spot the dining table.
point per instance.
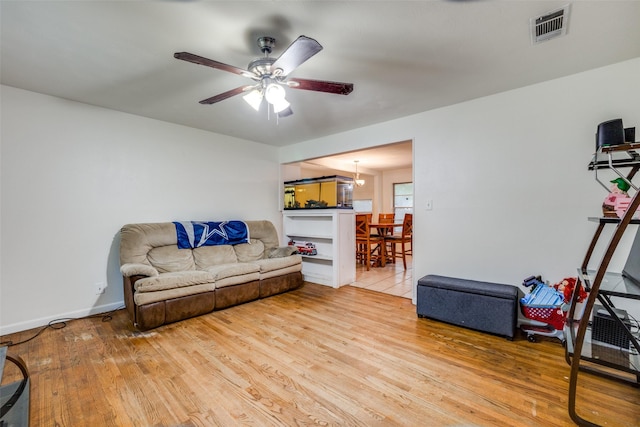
(384, 229)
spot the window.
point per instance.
(363, 206)
(402, 199)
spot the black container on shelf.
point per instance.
(610, 133)
(630, 134)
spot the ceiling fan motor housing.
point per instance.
(261, 66)
(266, 44)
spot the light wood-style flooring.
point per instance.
(312, 356)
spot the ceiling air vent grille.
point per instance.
(550, 25)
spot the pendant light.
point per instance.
(359, 182)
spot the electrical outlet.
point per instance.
(100, 287)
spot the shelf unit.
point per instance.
(333, 233)
(582, 352)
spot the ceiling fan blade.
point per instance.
(298, 52)
(190, 57)
(225, 95)
(321, 86)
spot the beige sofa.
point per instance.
(164, 284)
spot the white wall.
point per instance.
(73, 174)
(507, 174)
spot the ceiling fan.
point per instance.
(271, 75)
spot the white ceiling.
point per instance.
(370, 161)
(403, 57)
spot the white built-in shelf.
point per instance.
(332, 231)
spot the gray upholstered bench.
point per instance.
(484, 306)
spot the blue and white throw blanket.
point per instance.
(193, 234)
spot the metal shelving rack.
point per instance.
(602, 285)
(14, 397)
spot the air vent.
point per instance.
(550, 25)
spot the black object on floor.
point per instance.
(484, 306)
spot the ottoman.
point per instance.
(483, 306)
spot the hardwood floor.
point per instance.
(313, 356)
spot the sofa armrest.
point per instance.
(283, 251)
(131, 269)
(129, 290)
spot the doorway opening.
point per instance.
(387, 172)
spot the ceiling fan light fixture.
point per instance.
(254, 98)
(274, 93)
(280, 105)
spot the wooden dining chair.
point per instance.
(368, 247)
(384, 218)
(402, 239)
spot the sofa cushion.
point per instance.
(247, 252)
(208, 256)
(223, 271)
(141, 298)
(234, 274)
(264, 231)
(136, 240)
(237, 280)
(280, 272)
(272, 264)
(176, 279)
(169, 258)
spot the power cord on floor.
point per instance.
(60, 324)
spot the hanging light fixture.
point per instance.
(254, 98)
(273, 92)
(359, 182)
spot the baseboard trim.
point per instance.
(43, 321)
